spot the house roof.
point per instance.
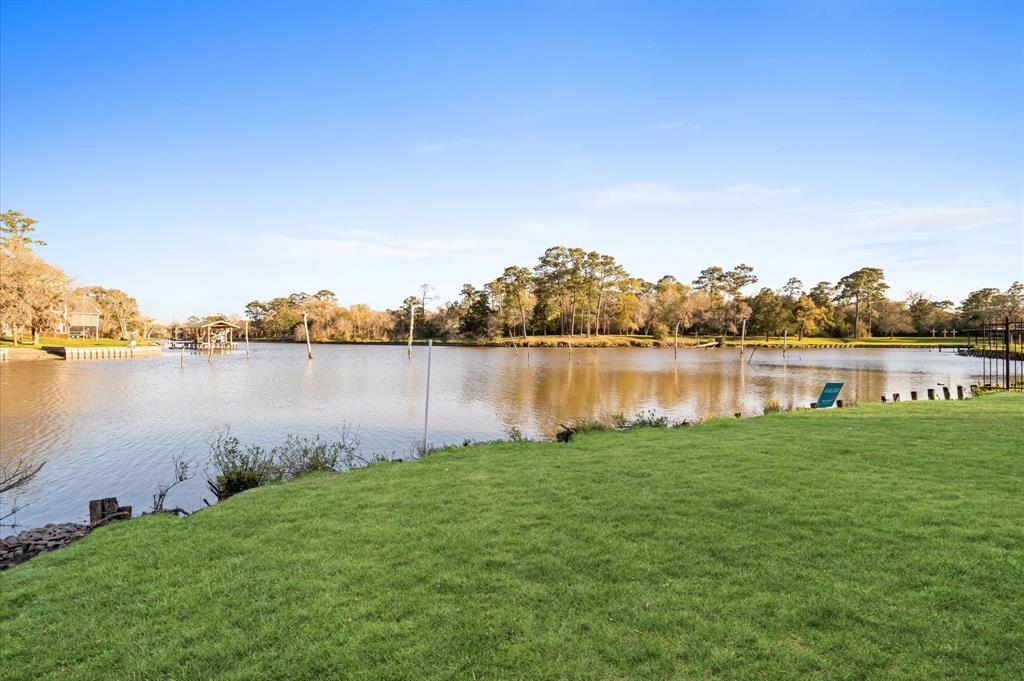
(88, 309)
(215, 324)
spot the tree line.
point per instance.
(569, 292)
(574, 292)
(37, 297)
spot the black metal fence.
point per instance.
(1000, 347)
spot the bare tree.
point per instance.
(14, 474)
(183, 471)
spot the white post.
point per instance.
(426, 409)
(785, 341)
(743, 336)
(181, 356)
(246, 337)
(412, 322)
(305, 325)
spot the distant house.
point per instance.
(84, 322)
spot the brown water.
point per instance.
(110, 427)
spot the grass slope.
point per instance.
(53, 342)
(884, 541)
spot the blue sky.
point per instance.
(200, 155)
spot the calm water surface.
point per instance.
(110, 427)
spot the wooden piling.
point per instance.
(839, 404)
(895, 397)
(814, 405)
(913, 395)
(246, 337)
(959, 392)
(931, 393)
(305, 325)
(102, 509)
(883, 398)
(945, 392)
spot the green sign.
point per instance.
(829, 394)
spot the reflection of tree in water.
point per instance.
(553, 390)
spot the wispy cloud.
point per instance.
(930, 218)
(431, 146)
(931, 236)
(366, 243)
(658, 193)
(674, 125)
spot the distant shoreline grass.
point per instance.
(688, 342)
(53, 342)
(881, 541)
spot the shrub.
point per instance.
(237, 469)
(772, 406)
(301, 455)
(659, 330)
(584, 425)
(647, 419)
(516, 435)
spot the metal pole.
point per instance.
(426, 409)
(1006, 353)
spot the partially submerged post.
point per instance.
(305, 325)
(246, 337)
(412, 323)
(743, 336)
(895, 397)
(945, 392)
(913, 395)
(426, 408)
(959, 392)
(931, 393)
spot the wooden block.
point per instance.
(101, 508)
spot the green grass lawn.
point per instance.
(878, 542)
(51, 342)
(875, 341)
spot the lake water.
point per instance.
(110, 427)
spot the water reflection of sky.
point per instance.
(110, 427)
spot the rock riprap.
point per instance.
(20, 547)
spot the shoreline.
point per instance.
(645, 342)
